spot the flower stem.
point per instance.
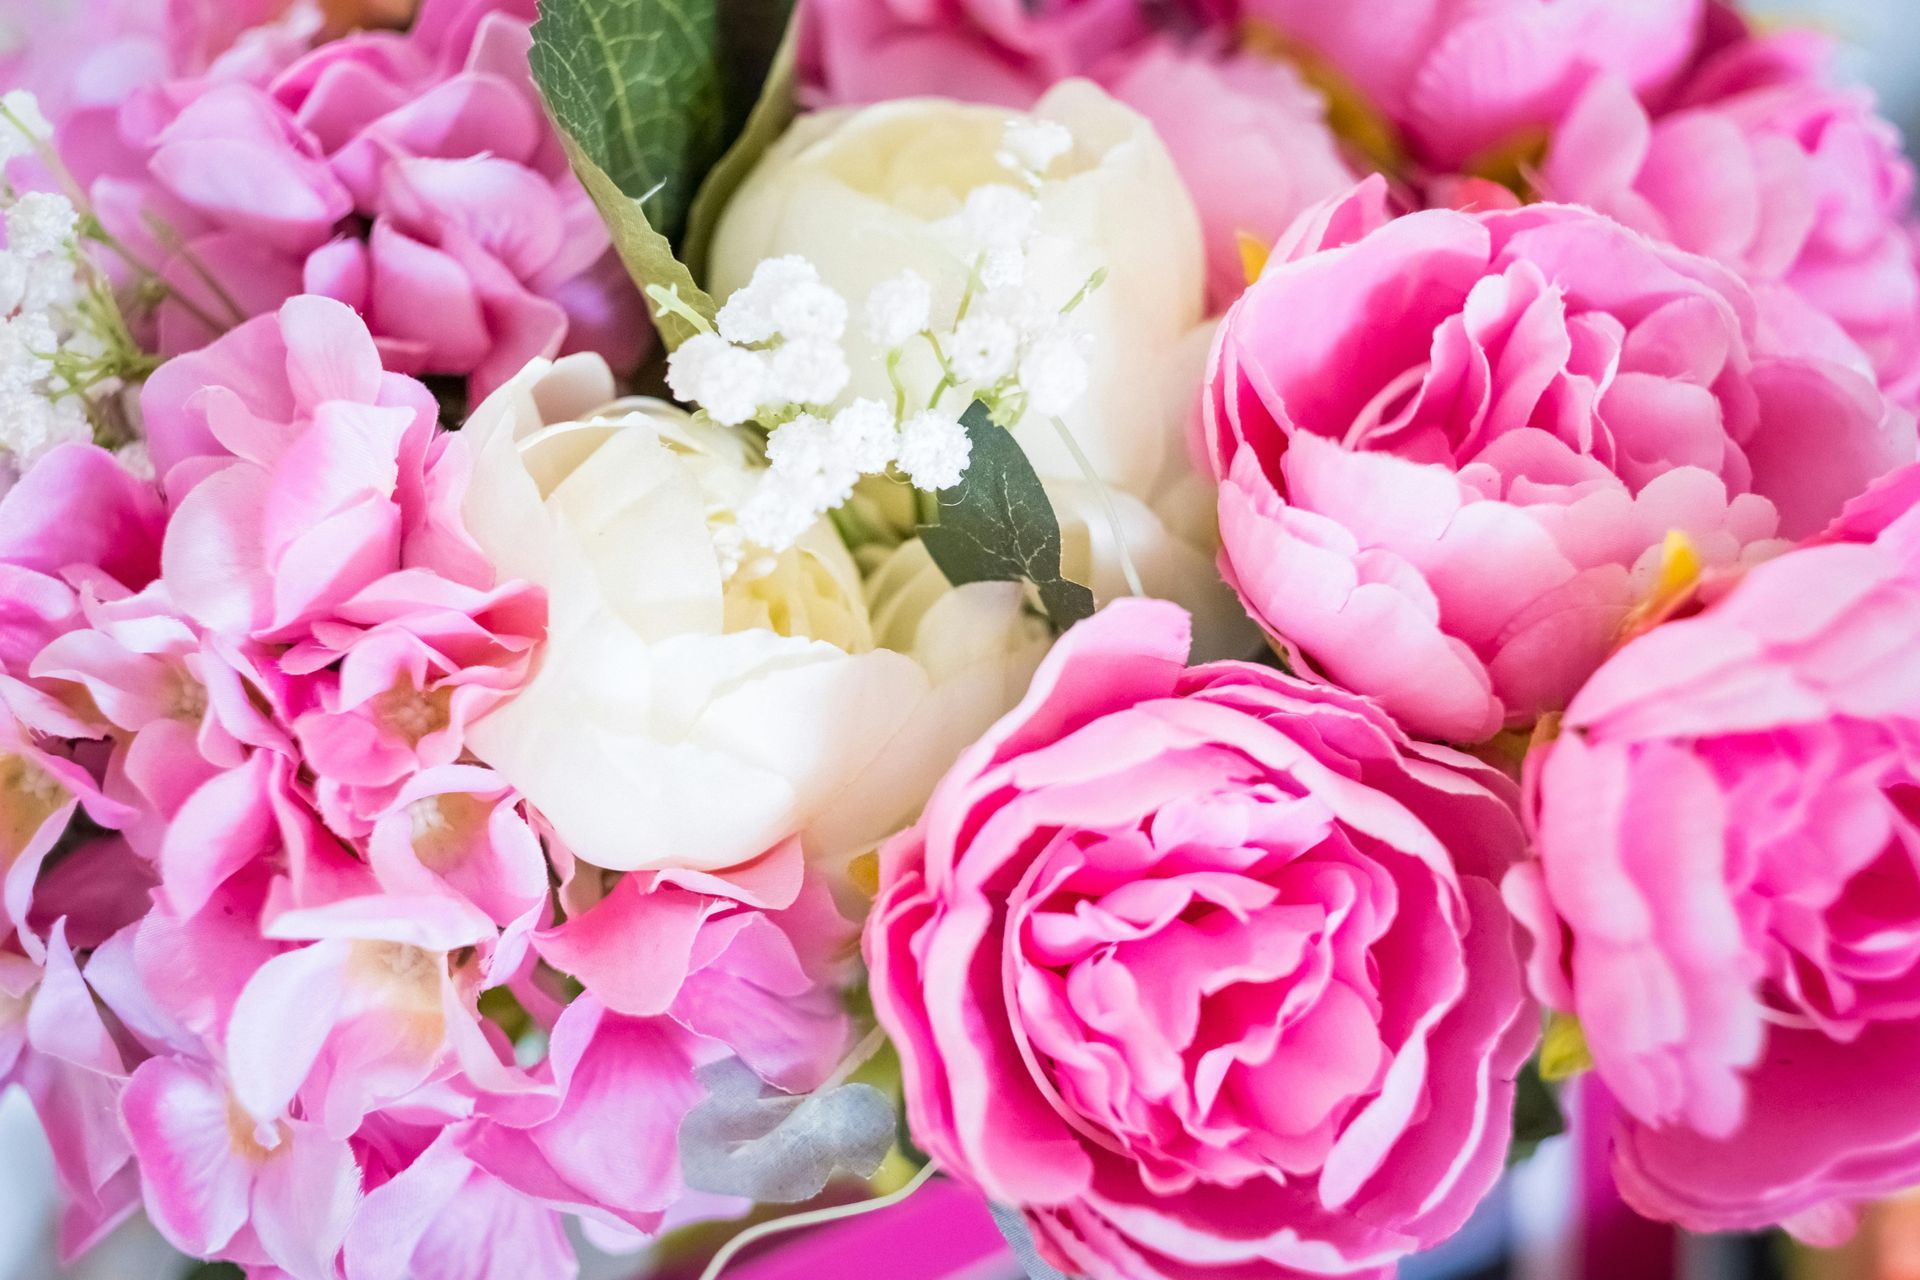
(814, 1218)
(1106, 504)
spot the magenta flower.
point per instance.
(1451, 446)
(1725, 892)
(1459, 81)
(1206, 970)
(1765, 164)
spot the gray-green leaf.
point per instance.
(776, 1148)
(997, 524)
(1020, 1240)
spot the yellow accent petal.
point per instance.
(1679, 574)
(1564, 1052)
(1253, 255)
(1679, 565)
(863, 873)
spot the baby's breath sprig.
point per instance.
(67, 353)
(774, 360)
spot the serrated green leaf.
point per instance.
(773, 111)
(639, 86)
(997, 524)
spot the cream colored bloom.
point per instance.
(867, 195)
(676, 717)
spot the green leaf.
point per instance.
(645, 252)
(639, 86)
(1536, 1113)
(772, 112)
(997, 525)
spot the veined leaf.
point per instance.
(638, 84)
(997, 524)
(648, 95)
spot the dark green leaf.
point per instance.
(638, 85)
(772, 112)
(997, 525)
(1536, 1113)
(655, 90)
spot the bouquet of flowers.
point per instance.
(620, 618)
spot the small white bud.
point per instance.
(997, 215)
(800, 446)
(1053, 373)
(899, 308)
(746, 319)
(809, 312)
(934, 450)
(867, 436)
(729, 382)
(23, 125)
(41, 223)
(775, 517)
(809, 371)
(983, 349)
(1004, 268)
(1032, 145)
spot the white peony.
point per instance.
(677, 718)
(868, 195)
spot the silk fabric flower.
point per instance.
(1205, 971)
(1725, 892)
(1452, 446)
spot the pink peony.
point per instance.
(1767, 166)
(1000, 51)
(1460, 81)
(1452, 446)
(413, 176)
(1251, 143)
(1725, 893)
(1205, 971)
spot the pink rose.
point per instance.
(1451, 446)
(1205, 971)
(1726, 897)
(1766, 165)
(412, 176)
(1461, 78)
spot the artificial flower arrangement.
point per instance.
(622, 613)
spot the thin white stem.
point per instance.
(862, 1053)
(1106, 503)
(816, 1217)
